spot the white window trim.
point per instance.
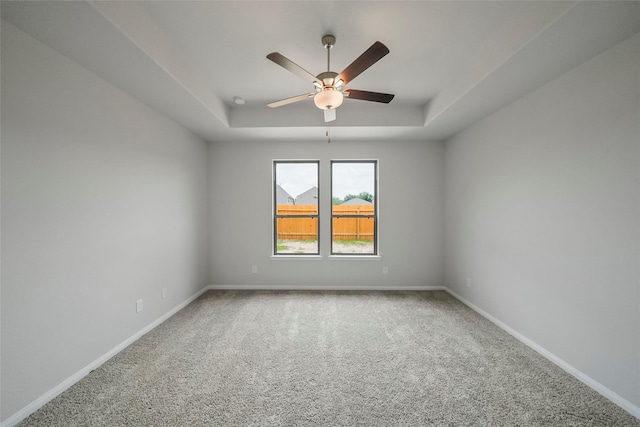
(288, 257)
(348, 257)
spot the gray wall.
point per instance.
(542, 214)
(411, 207)
(104, 201)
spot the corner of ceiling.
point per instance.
(131, 21)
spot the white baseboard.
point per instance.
(612, 396)
(42, 400)
(324, 288)
(55, 391)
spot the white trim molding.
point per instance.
(324, 288)
(354, 257)
(297, 257)
(55, 391)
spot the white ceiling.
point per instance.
(451, 63)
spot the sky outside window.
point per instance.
(349, 178)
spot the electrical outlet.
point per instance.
(164, 293)
(468, 282)
(138, 306)
(254, 269)
(385, 270)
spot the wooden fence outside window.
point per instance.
(306, 228)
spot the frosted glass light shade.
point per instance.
(328, 99)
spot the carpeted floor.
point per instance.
(306, 358)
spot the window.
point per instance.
(295, 207)
(354, 207)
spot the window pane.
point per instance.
(296, 183)
(353, 235)
(352, 183)
(353, 192)
(297, 235)
(296, 207)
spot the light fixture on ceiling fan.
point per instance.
(329, 85)
(329, 96)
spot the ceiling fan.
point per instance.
(330, 87)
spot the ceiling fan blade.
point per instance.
(330, 115)
(290, 100)
(291, 66)
(372, 55)
(368, 96)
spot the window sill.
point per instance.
(354, 257)
(329, 257)
(300, 257)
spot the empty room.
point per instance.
(326, 213)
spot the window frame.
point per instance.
(375, 215)
(275, 209)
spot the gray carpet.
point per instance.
(272, 358)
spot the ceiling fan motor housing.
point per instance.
(328, 79)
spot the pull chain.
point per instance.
(328, 137)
